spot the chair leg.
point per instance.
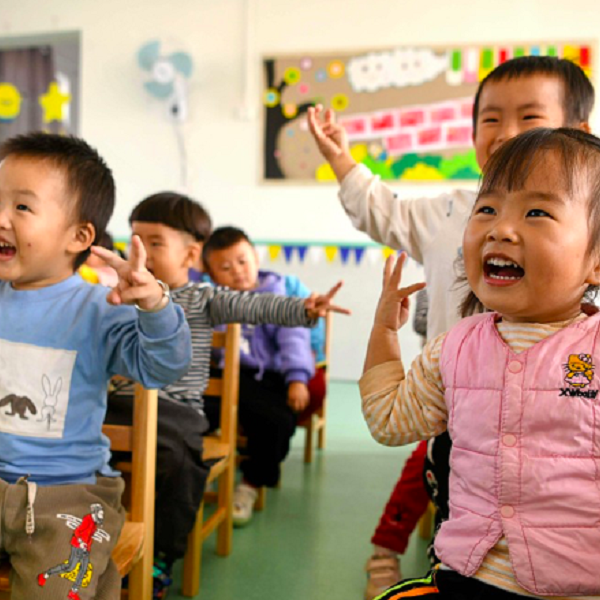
(261, 501)
(192, 562)
(308, 441)
(225, 501)
(322, 438)
(140, 576)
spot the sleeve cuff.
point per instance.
(353, 176)
(161, 324)
(381, 377)
(296, 375)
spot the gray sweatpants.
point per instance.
(64, 538)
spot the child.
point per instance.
(515, 387)
(276, 366)
(171, 226)
(60, 343)
(520, 94)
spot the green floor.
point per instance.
(312, 540)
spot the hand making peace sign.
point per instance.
(136, 284)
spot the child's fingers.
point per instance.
(137, 258)
(338, 309)
(329, 117)
(411, 289)
(114, 297)
(334, 290)
(396, 276)
(110, 258)
(387, 269)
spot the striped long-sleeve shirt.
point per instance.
(206, 306)
(403, 408)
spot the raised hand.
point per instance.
(318, 306)
(136, 284)
(331, 139)
(393, 305)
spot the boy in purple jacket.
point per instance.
(276, 365)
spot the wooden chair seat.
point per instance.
(129, 547)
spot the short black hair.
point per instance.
(221, 239)
(578, 91)
(175, 210)
(509, 167)
(87, 175)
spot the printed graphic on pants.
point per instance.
(77, 568)
(35, 384)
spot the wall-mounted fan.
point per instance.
(168, 77)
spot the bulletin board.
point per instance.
(407, 111)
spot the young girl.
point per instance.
(516, 387)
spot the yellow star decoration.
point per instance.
(52, 102)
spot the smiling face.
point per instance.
(38, 239)
(235, 267)
(526, 251)
(170, 252)
(511, 106)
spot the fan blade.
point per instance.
(182, 62)
(147, 54)
(159, 90)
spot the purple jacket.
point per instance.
(285, 350)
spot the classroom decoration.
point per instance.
(330, 253)
(39, 88)
(168, 75)
(407, 111)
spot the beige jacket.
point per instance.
(429, 229)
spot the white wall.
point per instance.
(129, 129)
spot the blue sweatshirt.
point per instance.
(285, 350)
(59, 346)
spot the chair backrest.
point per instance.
(227, 386)
(140, 440)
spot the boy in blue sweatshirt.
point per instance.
(60, 343)
(276, 365)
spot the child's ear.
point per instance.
(83, 237)
(585, 126)
(593, 277)
(193, 255)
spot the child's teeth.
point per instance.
(500, 262)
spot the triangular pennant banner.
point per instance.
(387, 252)
(287, 251)
(358, 254)
(315, 254)
(302, 252)
(274, 252)
(331, 253)
(344, 254)
(261, 252)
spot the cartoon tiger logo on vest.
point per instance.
(580, 372)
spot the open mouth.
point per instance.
(502, 269)
(7, 250)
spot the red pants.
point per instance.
(406, 505)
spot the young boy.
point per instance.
(60, 343)
(520, 94)
(276, 366)
(171, 226)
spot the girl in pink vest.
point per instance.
(516, 387)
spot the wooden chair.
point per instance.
(223, 448)
(134, 551)
(315, 422)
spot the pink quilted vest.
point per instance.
(526, 455)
